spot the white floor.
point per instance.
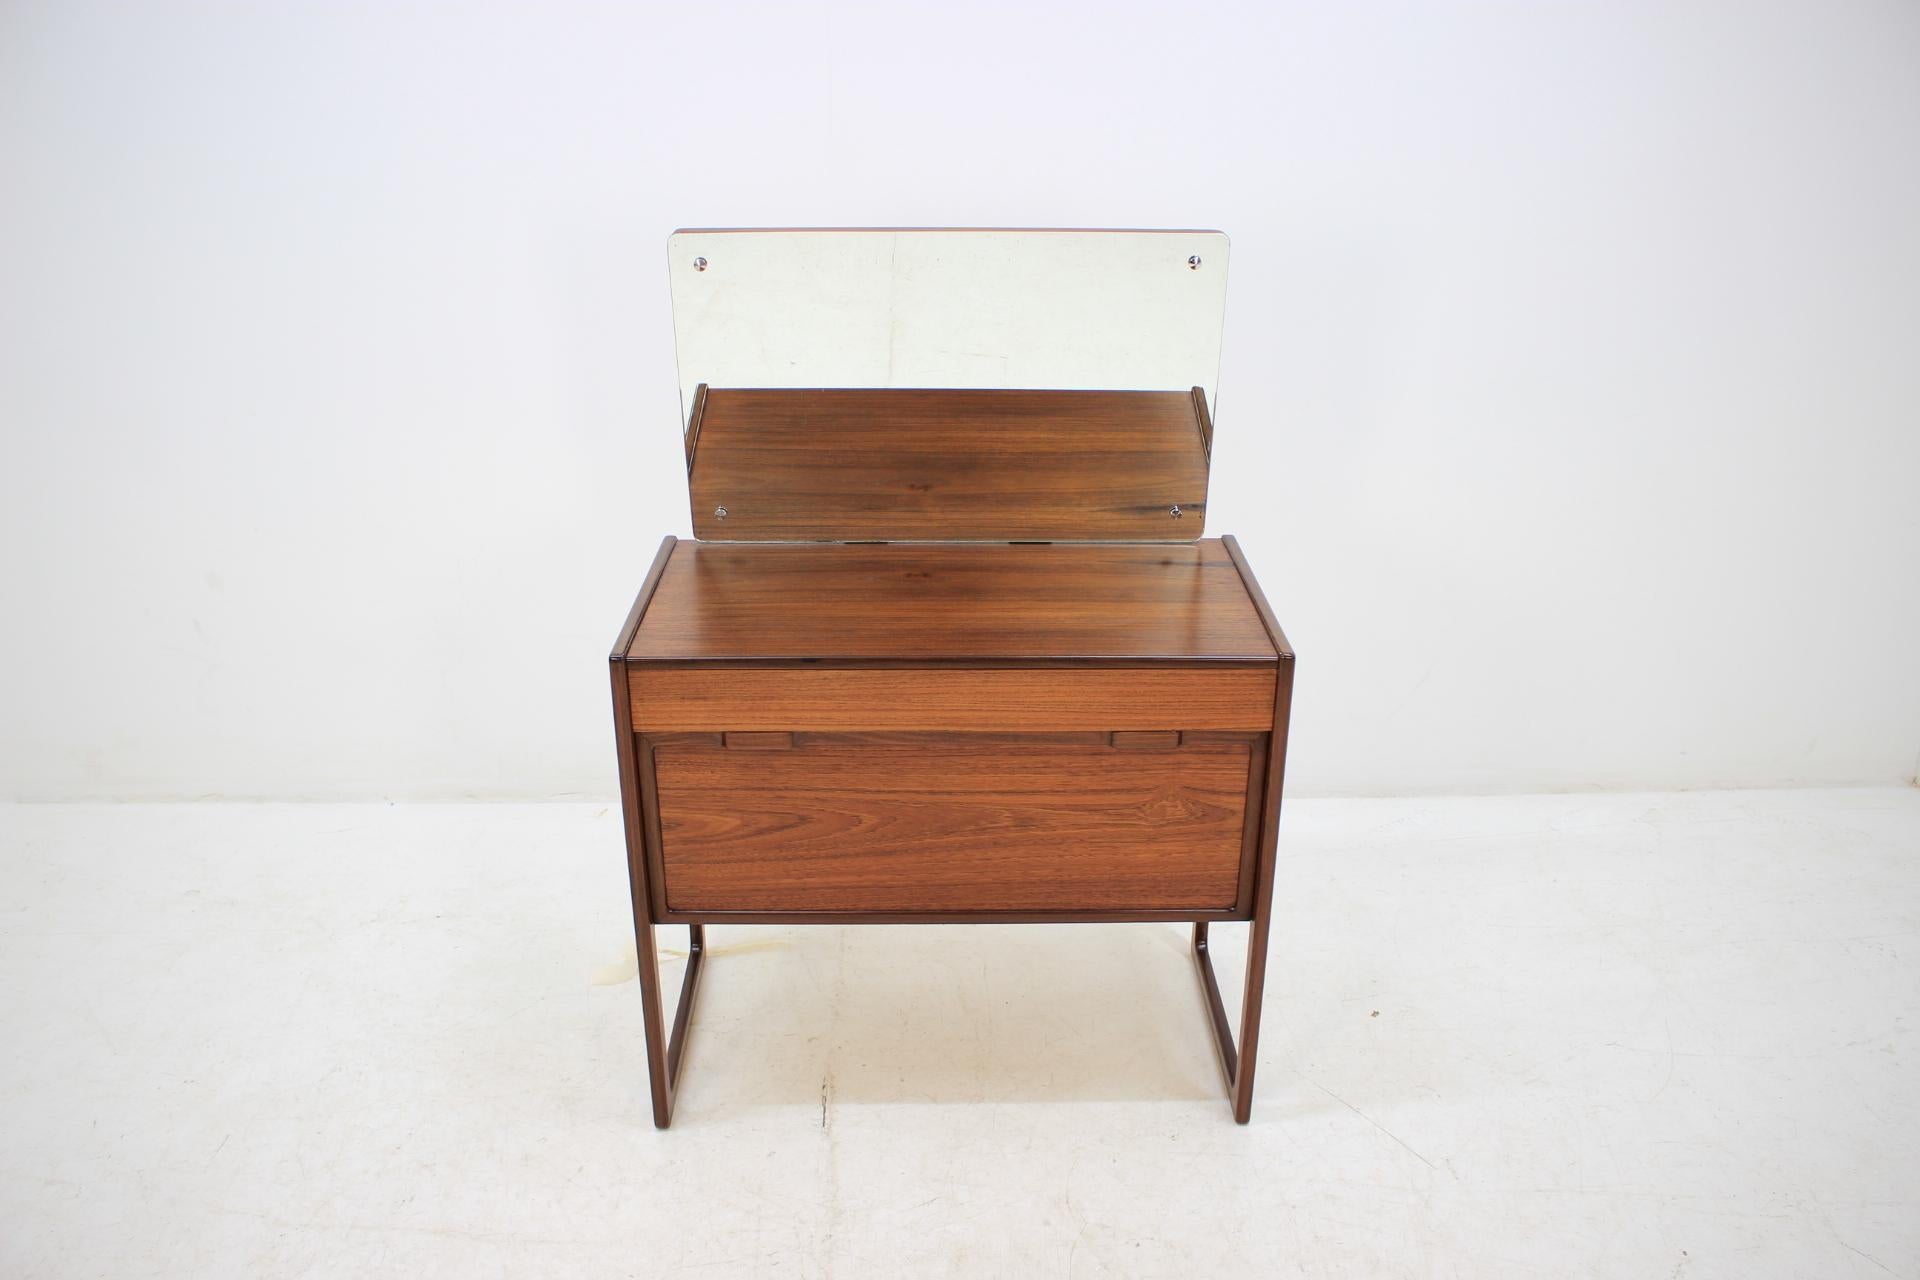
(1668, 1035)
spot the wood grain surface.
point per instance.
(959, 603)
(707, 698)
(953, 465)
(952, 825)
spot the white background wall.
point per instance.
(1570, 409)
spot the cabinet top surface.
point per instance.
(921, 602)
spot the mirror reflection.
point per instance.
(1061, 310)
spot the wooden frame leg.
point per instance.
(666, 1052)
(1236, 1064)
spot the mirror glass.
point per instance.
(1066, 310)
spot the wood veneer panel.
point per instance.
(953, 602)
(948, 465)
(669, 698)
(942, 826)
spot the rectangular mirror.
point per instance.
(895, 385)
(1062, 310)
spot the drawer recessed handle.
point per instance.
(758, 741)
(1157, 738)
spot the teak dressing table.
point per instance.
(948, 654)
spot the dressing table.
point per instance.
(947, 645)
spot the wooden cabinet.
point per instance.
(950, 656)
(959, 730)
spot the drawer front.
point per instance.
(669, 698)
(930, 823)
